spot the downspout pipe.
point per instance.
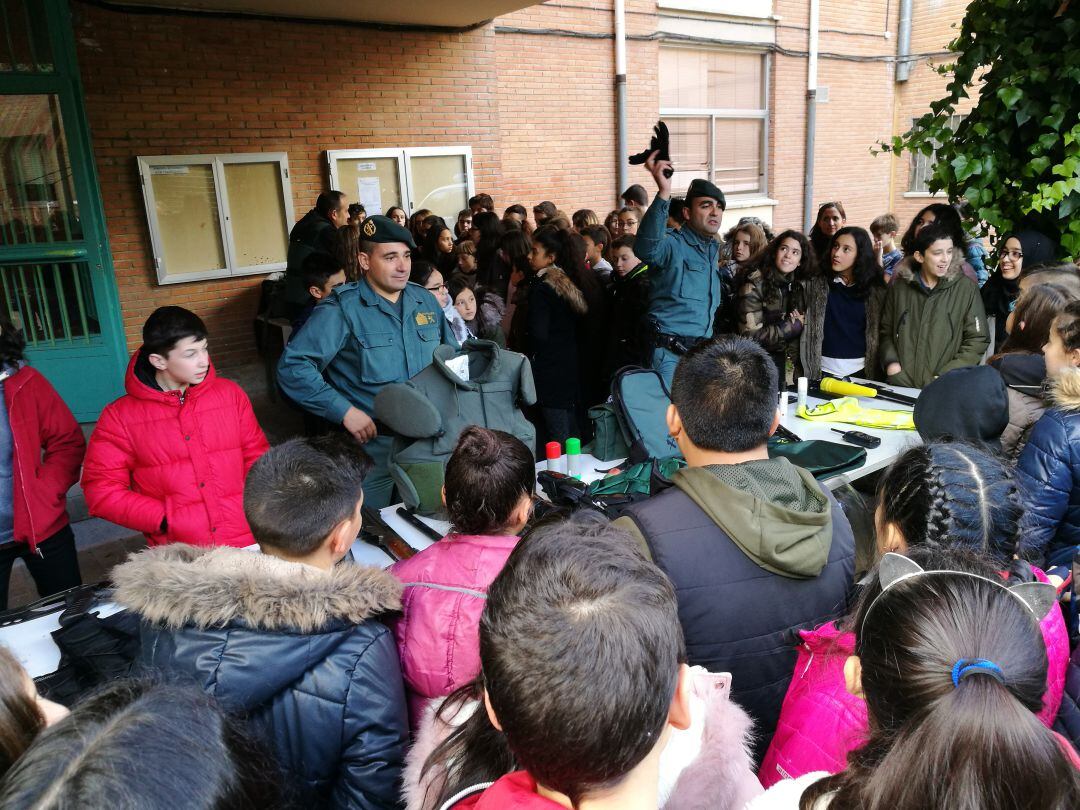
(811, 117)
(903, 43)
(620, 97)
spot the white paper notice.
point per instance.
(460, 366)
(369, 194)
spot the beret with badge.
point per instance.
(380, 229)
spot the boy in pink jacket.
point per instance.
(939, 496)
(490, 479)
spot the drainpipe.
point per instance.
(811, 118)
(903, 43)
(620, 95)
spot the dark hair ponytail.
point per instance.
(939, 741)
(486, 477)
(473, 753)
(953, 494)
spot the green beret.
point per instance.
(703, 188)
(382, 229)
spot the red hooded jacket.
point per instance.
(158, 455)
(49, 448)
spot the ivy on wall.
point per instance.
(1015, 158)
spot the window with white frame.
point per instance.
(438, 178)
(215, 216)
(922, 166)
(714, 103)
(762, 9)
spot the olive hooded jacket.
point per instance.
(929, 332)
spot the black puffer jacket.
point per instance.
(295, 648)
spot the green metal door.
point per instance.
(56, 276)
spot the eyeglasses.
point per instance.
(1013, 254)
(436, 288)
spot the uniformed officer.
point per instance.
(378, 330)
(684, 273)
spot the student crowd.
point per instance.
(712, 647)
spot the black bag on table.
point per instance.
(93, 650)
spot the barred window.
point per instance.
(922, 166)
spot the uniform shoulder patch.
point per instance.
(425, 318)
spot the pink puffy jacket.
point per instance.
(820, 722)
(438, 632)
(158, 455)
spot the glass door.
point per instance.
(56, 280)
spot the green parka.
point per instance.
(929, 332)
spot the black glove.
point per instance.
(659, 143)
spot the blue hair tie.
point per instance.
(970, 666)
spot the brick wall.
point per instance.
(536, 105)
(934, 25)
(557, 102)
(857, 115)
(163, 84)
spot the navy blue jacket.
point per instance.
(1049, 469)
(296, 649)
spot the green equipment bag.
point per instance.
(823, 459)
(608, 441)
(640, 400)
(646, 478)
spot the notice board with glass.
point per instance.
(215, 216)
(438, 178)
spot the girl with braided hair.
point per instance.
(944, 496)
(950, 665)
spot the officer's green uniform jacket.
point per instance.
(684, 274)
(355, 343)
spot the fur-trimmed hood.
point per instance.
(907, 267)
(555, 278)
(1065, 390)
(184, 586)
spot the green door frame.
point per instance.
(66, 366)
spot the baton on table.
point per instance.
(418, 524)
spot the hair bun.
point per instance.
(480, 444)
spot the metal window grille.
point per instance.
(922, 166)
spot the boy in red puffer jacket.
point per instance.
(169, 458)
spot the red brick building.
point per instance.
(521, 106)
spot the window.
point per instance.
(438, 178)
(714, 103)
(922, 166)
(761, 9)
(215, 216)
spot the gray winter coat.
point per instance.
(429, 412)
